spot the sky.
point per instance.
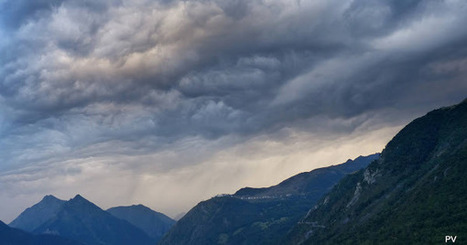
(168, 103)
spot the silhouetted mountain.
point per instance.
(12, 236)
(155, 224)
(36, 215)
(415, 194)
(258, 215)
(81, 220)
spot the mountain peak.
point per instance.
(82, 220)
(50, 198)
(80, 203)
(79, 199)
(141, 207)
(34, 216)
(78, 196)
(134, 207)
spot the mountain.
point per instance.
(36, 215)
(309, 183)
(155, 224)
(258, 215)
(80, 220)
(416, 193)
(12, 236)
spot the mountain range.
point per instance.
(81, 220)
(259, 215)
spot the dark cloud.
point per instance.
(265, 63)
(16, 13)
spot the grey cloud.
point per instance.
(16, 13)
(243, 56)
(85, 54)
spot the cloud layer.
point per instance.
(161, 89)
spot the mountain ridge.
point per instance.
(258, 215)
(84, 221)
(416, 192)
(80, 220)
(289, 186)
(155, 224)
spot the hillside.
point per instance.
(416, 192)
(33, 217)
(12, 236)
(258, 215)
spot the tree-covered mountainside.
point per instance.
(12, 236)
(155, 224)
(259, 215)
(416, 193)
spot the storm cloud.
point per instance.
(159, 93)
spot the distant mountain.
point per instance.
(258, 215)
(80, 220)
(415, 194)
(12, 236)
(36, 215)
(308, 183)
(155, 224)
